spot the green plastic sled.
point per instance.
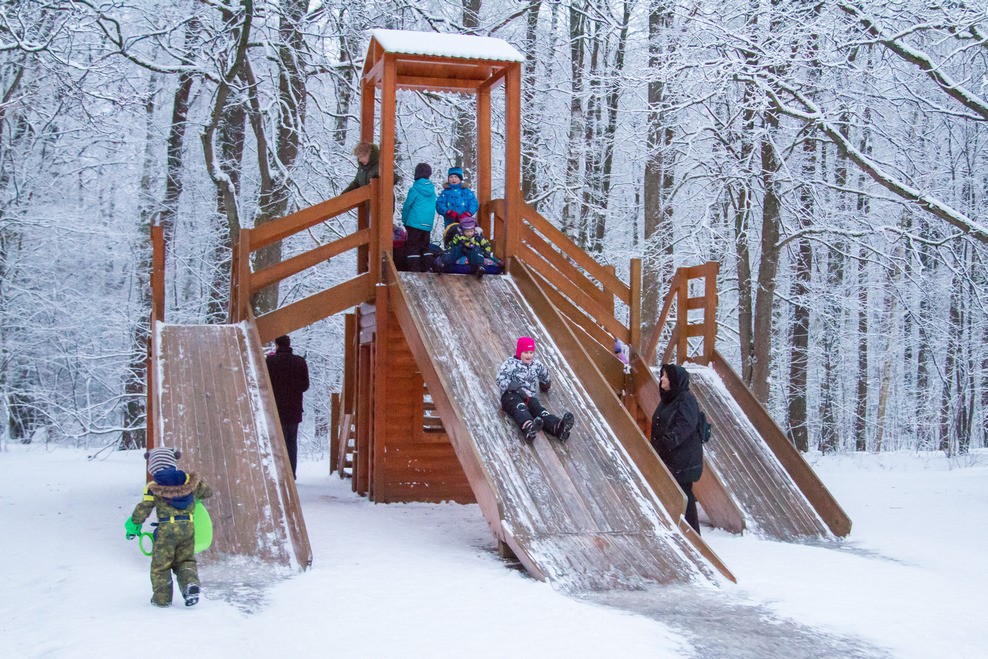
(203, 527)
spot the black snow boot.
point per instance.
(191, 594)
(565, 425)
(481, 272)
(531, 428)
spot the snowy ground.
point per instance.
(424, 580)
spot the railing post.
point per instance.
(710, 311)
(378, 233)
(682, 319)
(635, 306)
(243, 277)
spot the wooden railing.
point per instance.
(683, 330)
(582, 289)
(369, 240)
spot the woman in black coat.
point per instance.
(674, 434)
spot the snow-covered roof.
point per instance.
(446, 45)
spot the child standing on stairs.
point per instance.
(172, 494)
(518, 379)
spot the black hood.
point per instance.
(679, 380)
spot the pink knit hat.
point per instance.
(525, 344)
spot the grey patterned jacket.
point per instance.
(533, 377)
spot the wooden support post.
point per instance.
(243, 276)
(484, 158)
(635, 306)
(512, 160)
(335, 403)
(710, 311)
(385, 191)
(380, 397)
(682, 319)
(379, 232)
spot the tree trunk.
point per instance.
(768, 265)
(134, 417)
(275, 193)
(861, 403)
(577, 34)
(659, 179)
(530, 144)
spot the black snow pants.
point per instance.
(522, 410)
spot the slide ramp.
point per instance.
(580, 514)
(213, 401)
(753, 465)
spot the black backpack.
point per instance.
(703, 428)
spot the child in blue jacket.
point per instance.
(418, 216)
(456, 199)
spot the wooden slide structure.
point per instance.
(417, 417)
(586, 514)
(214, 403)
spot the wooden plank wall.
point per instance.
(419, 463)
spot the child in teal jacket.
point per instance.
(418, 215)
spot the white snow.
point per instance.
(446, 45)
(419, 580)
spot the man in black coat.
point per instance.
(289, 379)
(674, 434)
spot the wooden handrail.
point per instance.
(289, 225)
(285, 269)
(683, 330)
(607, 280)
(572, 272)
(369, 241)
(648, 355)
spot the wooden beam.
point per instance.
(279, 271)
(635, 305)
(418, 83)
(648, 354)
(484, 159)
(574, 293)
(512, 158)
(306, 218)
(567, 270)
(324, 304)
(608, 280)
(383, 216)
(157, 273)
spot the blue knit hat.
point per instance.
(455, 171)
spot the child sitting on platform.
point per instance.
(518, 379)
(468, 250)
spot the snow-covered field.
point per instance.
(424, 580)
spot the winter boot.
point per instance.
(565, 425)
(191, 594)
(480, 273)
(531, 428)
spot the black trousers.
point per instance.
(416, 245)
(290, 431)
(522, 410)
(691, 515)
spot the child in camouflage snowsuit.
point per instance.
(172, 494)
(518, 378)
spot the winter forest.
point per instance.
(831, 155)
